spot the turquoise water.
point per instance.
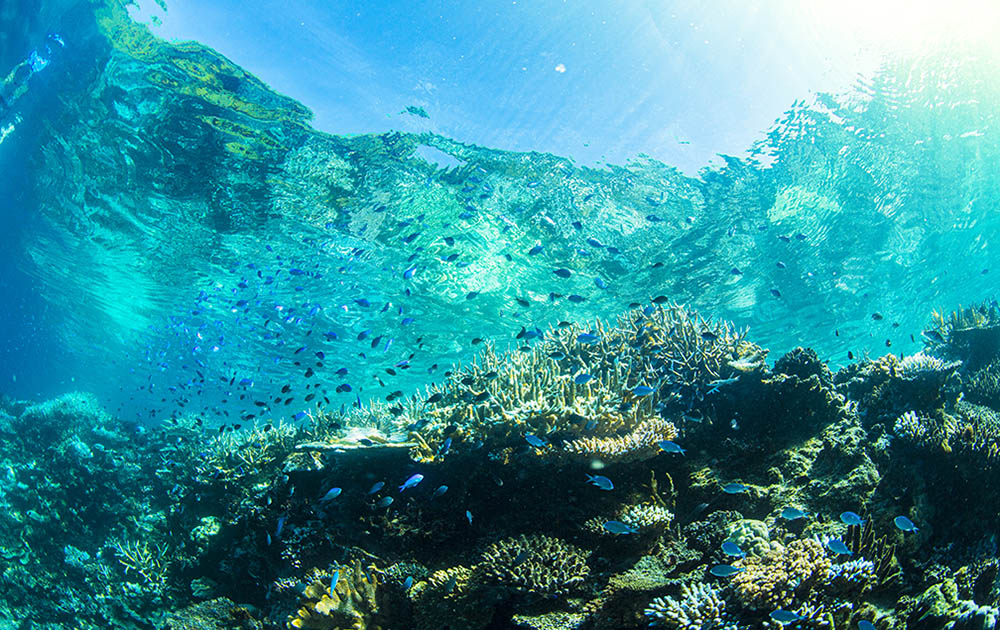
(180, 241)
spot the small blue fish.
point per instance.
(582, 378)
(904, 524)
(732, 549)
(850, 518)
(865, 625)
(785, 617)
(557, 355)
(640, 391)
(587, 338)
(725, 570)
(331, 494)
(414, 479)
(408, 582)
(468, 516)
(601, 482)
(440, 490)
(601, 284)
(378, 485)
(409, 273)
(449, 586)
(838, 547)
(791, 514)
(534, 251)
(670, 447)
(384, 502)
(618, 528)
(445, 447)
(333, 581)
(563, 273)
(535, 441)
(281, 526)
(734, 488)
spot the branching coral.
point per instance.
(350, 604)
(782, 575)
(151, 562)
(536, 564)
(700, 607)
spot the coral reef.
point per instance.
(504, 531)
(970, 335)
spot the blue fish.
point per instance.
(734, 488)
(725, 570)
(281, 526)
(332, 494)
(601, 284)
(850, 518)
(593, 242)
(904, 524)
(618, 528)
(601, 482)
(563, 273)
(414, 479)
(384, 502)
(445, 447)
(378, 485)
(865, 625)
(409, 273)
(468, 516)
(587, 338)
(642, 390)
(333, 581)
(791, 514)
(785, 617)
(670, 447)
(535, 441)
(408, 582)
(732, 549)
(838, 547)
(534, 251)
(440, 490)
(583, 378)
(557, 355)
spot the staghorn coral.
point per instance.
(781, 576)
(351, 604)
(535, 564)
(700, 608)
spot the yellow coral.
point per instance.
(350, 605)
